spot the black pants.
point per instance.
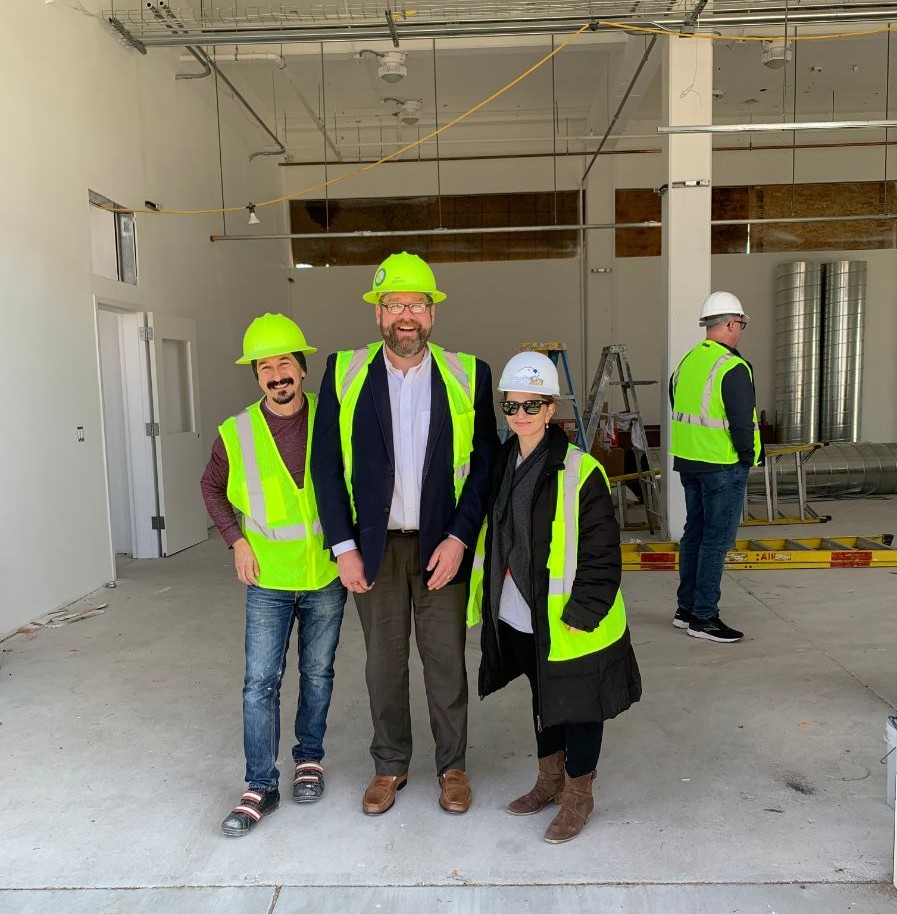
(386, 612)
(581, 742)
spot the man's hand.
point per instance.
(445, 562)
(351, 572)
(246, 563)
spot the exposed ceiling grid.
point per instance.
(366, 117)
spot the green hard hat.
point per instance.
(403, 273)
(272, 334)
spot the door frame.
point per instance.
(141, 453)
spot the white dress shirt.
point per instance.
(409, 402)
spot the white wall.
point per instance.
(89, 113)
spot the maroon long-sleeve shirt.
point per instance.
(291, 437)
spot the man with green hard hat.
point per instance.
(259, 469)
(404, 440)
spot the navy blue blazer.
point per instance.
(373, 469)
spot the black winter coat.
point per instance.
(598, 686)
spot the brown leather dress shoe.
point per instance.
(455, 796)
(381, 793)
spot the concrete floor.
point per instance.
(747, 779)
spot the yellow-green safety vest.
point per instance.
(458, 370)
(700, 429)
(562, 563)
(279, 520)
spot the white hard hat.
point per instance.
(719, 303)
(530, 372)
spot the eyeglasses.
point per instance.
(395, 307)
(530, 407)
(741, 324)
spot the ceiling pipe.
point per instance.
(642, 150)
(514, 229)
(790, 127)
(486, 28)
(280, 148)
(202, 56)
(481, 27)
(206, 69)
(263, 56)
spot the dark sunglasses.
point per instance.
(530, 407)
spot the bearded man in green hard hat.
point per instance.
(404, 440)
(259, 470)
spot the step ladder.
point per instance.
(613, 358)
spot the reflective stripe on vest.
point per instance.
(458, 371)
(279, 520)
(701, 432)
(563, 558)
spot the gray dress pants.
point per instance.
(386, 611)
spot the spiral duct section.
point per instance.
(798, 351)
(842, 350)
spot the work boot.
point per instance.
(548, 786)
(576, 807)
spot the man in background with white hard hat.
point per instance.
(260, 468)
(404, 440)
(714, 440)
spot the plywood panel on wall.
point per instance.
(767, 202)
(448, 212)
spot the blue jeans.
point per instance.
(713, 504)
(269, 622)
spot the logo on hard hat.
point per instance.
(379, 277)
(529, 377)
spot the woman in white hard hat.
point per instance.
(546, 584)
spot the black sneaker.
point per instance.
(713, 630)
(254, 805)
(683, 618)
(308, 784)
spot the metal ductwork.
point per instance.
(819, 350)
(839, 470)
(842, 350)
(798, 351)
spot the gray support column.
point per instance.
(687, 99)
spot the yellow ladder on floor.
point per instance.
(872, 551)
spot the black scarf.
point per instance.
(511, 513)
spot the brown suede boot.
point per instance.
(549, 784)
(576, 807)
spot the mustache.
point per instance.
(286, 382)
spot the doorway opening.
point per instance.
(151, 431)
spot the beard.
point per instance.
(405, 348)
(284, 394)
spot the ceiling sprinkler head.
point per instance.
(775, 53)
(392, 67)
